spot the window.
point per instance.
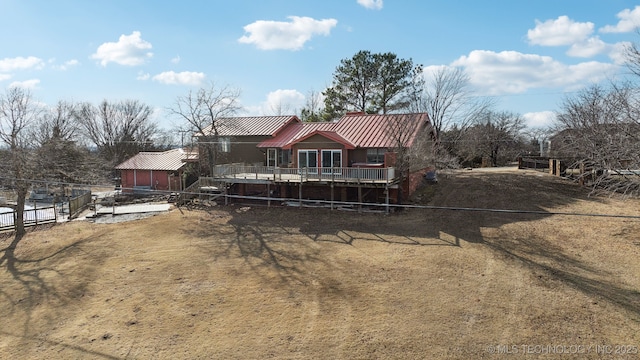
(271, 157)
(225, 144)
(284, 157)
(375, 156)
(308, 158)
(331, 159)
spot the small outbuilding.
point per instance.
(155, 170)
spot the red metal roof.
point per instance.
(251, 125)
(170, 160)
(331, 135)
(360, 130)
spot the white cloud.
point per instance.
(594, 46)
(629, 21)
(371, 4)
(540, 119)
(588, 48)
(562, 31)
(27, 84)
(283, 102)
(4, 77)
(21, 63)
(176, 59)
(618, 52)
(511, 72)
(130, 50)
(181, 78)
(273, 35)
(72, 62)
(143, 76)
(66, 65)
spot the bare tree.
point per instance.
(445, 94)
(599, 128)
(119, 130)
(495, 136)
(407, 135)
(537, 139)
(280, 108)
(61, 155)
(58, 123)
(632, 55)
(18, 112)
(202, 109)
(313, 108)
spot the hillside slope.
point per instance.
(238, 283)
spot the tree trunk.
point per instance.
(19, 220)
(400, 191)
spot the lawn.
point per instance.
(236, 282)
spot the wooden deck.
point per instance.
(274, 175)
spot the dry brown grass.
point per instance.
(293, 283)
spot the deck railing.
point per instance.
(352, 174)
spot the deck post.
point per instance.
(386, 190)
(332, 182)
(268, 195)
(332, 196)
(359, 198)
(300, 194)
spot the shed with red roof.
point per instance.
(155, 170)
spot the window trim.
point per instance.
(308, 152)
(379, 155)
(272, 157)
(327, 170)
(224, 144)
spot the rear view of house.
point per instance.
(360, 157)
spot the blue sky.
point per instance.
(526, 54)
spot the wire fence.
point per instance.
(31, 217)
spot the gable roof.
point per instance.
(331, 135)
(170, 160)
(251, 125)
(357, 129)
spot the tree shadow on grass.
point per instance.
(451, 224)
(259, 245)
(552, 266)
(534, 194)
(32, 281)
(255, 232)
(541, 256)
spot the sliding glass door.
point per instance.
(331, 159)
(308, 159)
